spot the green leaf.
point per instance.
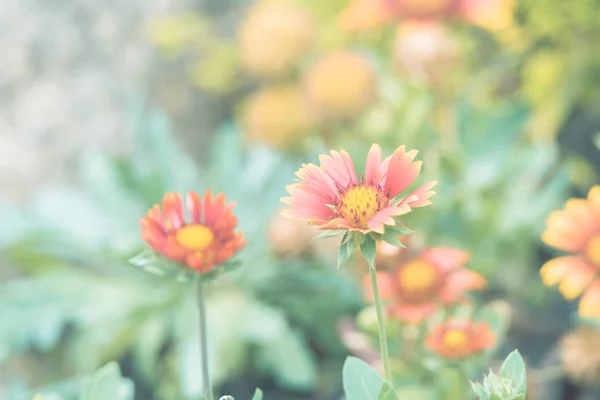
(398, 230)
(368, 250)
(514, 368)
(107, 383)
(350, 247)
(342, 254)
(258, 395)
(361, 382)
(388, 392)
(392, 238)
(327, 234)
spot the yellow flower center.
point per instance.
(194, 237)
(417, 276)
(360, 203)
(455, 338)
(593, 250)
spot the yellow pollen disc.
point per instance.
(455, 338)
(417, 276)
(360, 203)
(194, 237)
(593, 250)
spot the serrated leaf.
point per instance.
(258, 395)
(360, 380)
(368, 249)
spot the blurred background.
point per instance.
(106, 105)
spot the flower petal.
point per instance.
(460, 282)
(577, 278)
(385, 284)
(589, 306)
(564, 233)
(401, 172)
(419, 198)
(316, 177)
(194, 207)
(446, 258)
(554, 270)
(372, 168)
(412, 313)
(594, 200)
(340, 167)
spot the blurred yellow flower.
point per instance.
(171, 34)
(341, 84)
(216, 71)
(274, 36)
(277, 116)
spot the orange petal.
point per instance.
(594, 200)
(589, 306)
(576, 280)
(555, 270)
(459, 282)
(362, 15)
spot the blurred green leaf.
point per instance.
(107, 383)
(368, 248)
(361, 381)
(258, 395)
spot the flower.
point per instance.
(576, 230)
(341, 84)
(456, 339)
(418, 286)
(277, 116)
(425, 50)
(332, 197)
(274, 36)
(207, 240)
(580, 355)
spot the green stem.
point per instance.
(206, 383)
(381, 324)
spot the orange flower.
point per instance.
(455, 340)
(201, 244)
(332, 197)
(417, 287)
(576, 230)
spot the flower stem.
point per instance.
(381, 324)
(206, 383)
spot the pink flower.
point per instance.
(332, 197)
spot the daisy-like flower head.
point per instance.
(417, 287)
(576, 230)
(201, 242)
(456, 339)
(332, 197)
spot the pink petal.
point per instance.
(340, 167)
(194, 206)
(412, 313)
(459, 282)
(305, 204)
(315, 176)
(401, 172)
(419, 198)
(373, 166)
(446, 258)
(377, 221)
(385, 283)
